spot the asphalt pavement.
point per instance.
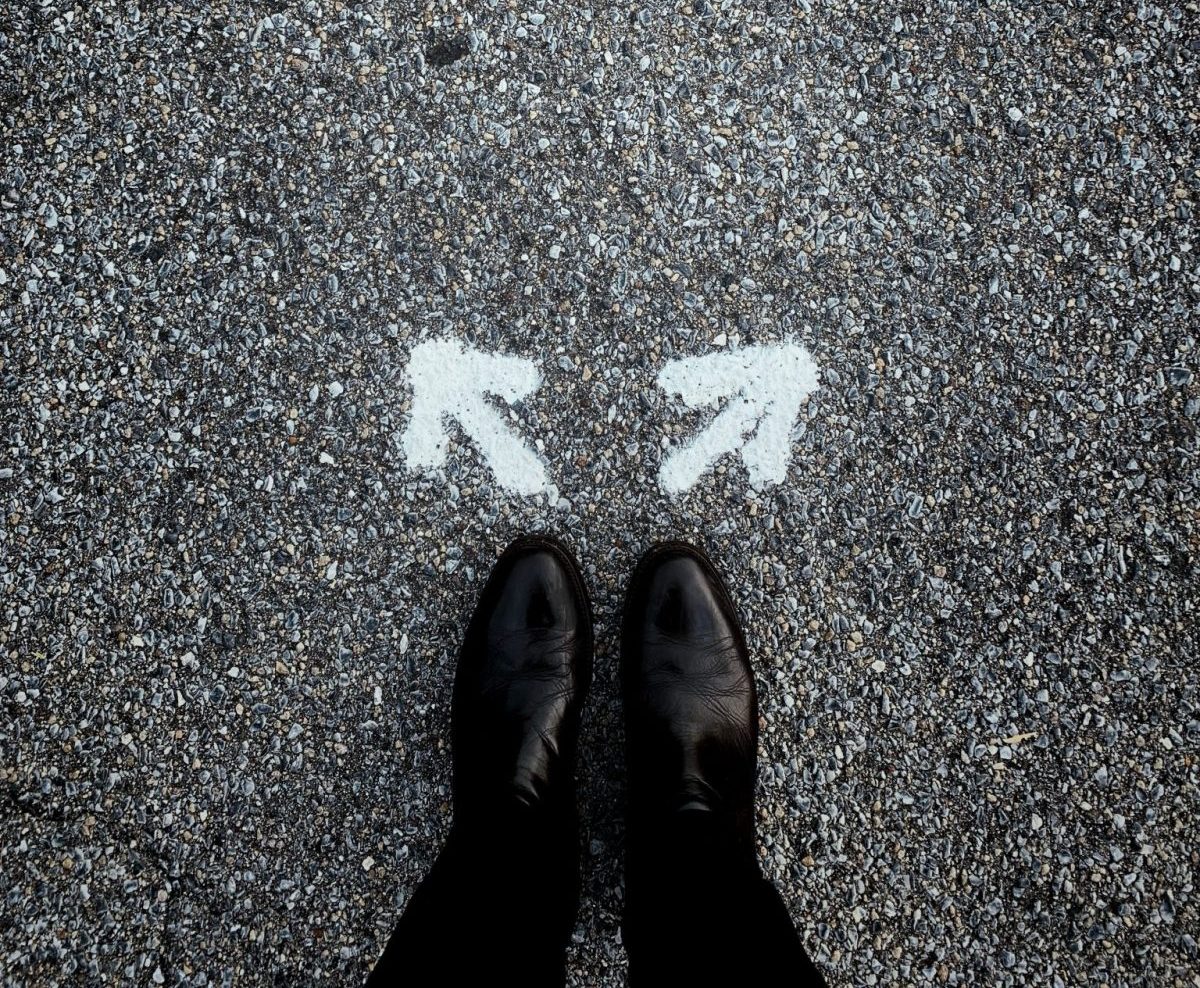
(232, 584)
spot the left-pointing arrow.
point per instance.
(451, 381)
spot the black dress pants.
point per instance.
(499, 904)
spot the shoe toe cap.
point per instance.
(535, 588)
(679, 596)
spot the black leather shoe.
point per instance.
(523, 672)
(691, 711)
(698, 911)
(504, 890)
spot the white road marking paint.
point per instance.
(450, 380)
(765, 387)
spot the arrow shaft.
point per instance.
(685, 465)
(514, 464)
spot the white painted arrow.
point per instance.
(450, 380)
(765, 387)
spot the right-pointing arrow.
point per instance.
(765, 387)
(451, 381)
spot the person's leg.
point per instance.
(697, 909)
(699, 912)
(499, 904)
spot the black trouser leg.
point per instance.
(698, 912)
(497, 907)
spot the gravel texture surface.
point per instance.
(229, 612)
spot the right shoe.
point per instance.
(691, 711)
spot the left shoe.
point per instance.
(499, 904)
(523, 674)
